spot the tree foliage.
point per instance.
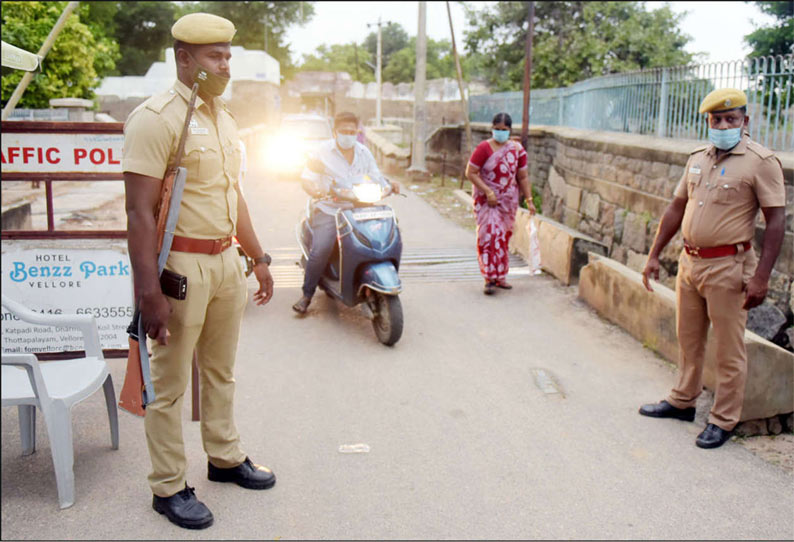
(401, 67)
(393, 38)
(778, 38)
(142, 30)
(259, 23)
(573, 40)
(399, 57)
(80, 56)
(350, 58)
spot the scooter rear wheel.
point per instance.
(387, 318)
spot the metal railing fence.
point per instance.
(661, 101)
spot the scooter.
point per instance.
(364, 263)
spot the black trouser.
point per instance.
(323, 239)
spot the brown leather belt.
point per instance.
(200, 246)
(716, 252)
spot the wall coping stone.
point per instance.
(386, 147)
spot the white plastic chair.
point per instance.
(55, 387)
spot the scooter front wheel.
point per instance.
(387, 318)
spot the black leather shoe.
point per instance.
(663, 409)
(302, 305)
(247, 474)
(713, 436)
(184, 509)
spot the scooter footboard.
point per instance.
(381, 277)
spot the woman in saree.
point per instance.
(497, 168)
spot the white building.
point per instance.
(245, 65)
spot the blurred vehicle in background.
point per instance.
(287, 149)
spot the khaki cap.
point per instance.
(722, 100)
(202, 28)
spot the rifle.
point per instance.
(138, 391)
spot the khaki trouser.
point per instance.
(712, 290)
(208, 320)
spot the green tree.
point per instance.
(393, 38)
(81, 55)
(401, 67)
(259, 22)
(775, 39)
(573, 41)
(142, 30)
(340, 58)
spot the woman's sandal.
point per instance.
(488, 289)
(504, 285)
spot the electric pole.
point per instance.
(378, 80)
(464, 104)
(527, 75)
(417, 170)
(355, 52)
(378, 73)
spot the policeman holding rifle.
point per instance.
(208, 319)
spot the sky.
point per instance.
(717, 28)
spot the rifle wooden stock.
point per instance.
(131, 396)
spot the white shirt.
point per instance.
(340, 172)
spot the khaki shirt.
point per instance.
(212, 158)
(724, 195)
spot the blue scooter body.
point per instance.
(367, 255)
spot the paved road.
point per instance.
(465, 442)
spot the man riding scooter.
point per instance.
(340, 158)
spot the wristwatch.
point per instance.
(266, 259)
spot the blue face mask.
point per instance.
(501, 135)
(725, 139)
(346, 141)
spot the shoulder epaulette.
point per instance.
(157, 102)
(699, 149)
(759, 149)
(229, 111)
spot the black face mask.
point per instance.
(208, 82)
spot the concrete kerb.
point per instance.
(563, 250)
(617, 293)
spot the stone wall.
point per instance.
(614, 187)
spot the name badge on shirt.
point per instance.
(695, 170)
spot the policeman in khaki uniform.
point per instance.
(719, 276)
(208, 320)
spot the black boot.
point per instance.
(663, 409)
(713, 436)
(247, 474)
(184, 509)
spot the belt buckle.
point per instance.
(694, 251)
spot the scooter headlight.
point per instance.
(368, 192)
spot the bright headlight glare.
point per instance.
(284, 153)
(368, 193)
